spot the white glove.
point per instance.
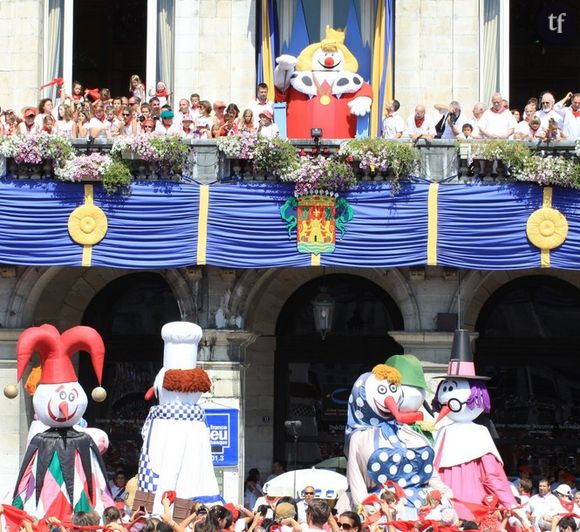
(360, 106)
(286, 62)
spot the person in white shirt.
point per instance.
(165, 126)
(522, 131)
(497, 122)
(393, 124)
(451, 122)
(267, 128)
(260, 103)
(420, 126)
(308, 494)
(540, 505)
(182, 111)
(478, 110)
(27, 126)
(547, 111)
(99, 126)
(570, 115)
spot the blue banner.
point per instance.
(223, 435)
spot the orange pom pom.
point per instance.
(33, 380)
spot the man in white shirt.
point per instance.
(570, 115)
(261, 103)
(452, 120)
(393, 124)
(308, 496)
(547, 111)
(182, 111)
(420, 126)
(497, 122)
(541, 504)
(165, 126)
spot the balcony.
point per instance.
(440, 161)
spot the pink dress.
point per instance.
(468, 462)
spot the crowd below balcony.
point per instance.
(93, 113)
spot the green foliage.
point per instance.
(117, 178)
(172, 153)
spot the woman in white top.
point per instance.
(45, 107)
(81, 127)
(65, 124)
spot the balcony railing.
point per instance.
(440, 161)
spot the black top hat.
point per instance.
(461, 361)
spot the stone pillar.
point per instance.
(14, 418)
(222, 354)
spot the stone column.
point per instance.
(222, 353)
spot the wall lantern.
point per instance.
(323, 308)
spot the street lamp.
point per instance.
(323, 308)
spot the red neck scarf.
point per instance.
(419, 121)
(501, 110)
(575, 113)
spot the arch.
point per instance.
(258, 297)
(60, 295)
(478, 286)
(529, 345)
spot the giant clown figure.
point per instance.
(62, 471)
(465, 454)
(322, 89)
(380, 444)
(176, 452)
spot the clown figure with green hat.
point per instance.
(381, 445)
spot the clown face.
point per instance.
(383, 396)
(327, 61)
(453, 395)
(60, 405)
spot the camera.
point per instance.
(141, 118)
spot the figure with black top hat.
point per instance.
(465, 455)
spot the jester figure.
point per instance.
(62, 471)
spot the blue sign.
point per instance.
(223, 435)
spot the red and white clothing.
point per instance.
(173, 129)
(497, 124)
(469, 463)
(313, 104)
(258, 107)
(571, 122)
(545, 117)
(103, 126)
(393, 126)
(419, 127)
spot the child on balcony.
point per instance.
(204, 122)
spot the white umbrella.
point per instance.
(327, 484)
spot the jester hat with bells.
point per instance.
(58, 386)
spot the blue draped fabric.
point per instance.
(156, 226)
(245, 229)
(484, 226)
(387, 227)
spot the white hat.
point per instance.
(564, 489)
(181, 339)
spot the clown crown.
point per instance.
(332, 39)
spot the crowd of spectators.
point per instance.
(543, 120)
(554, 508)
(97, 114)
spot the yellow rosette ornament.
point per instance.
(547, 229)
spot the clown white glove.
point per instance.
(286, 62)
(283, 71)
(360, 106)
